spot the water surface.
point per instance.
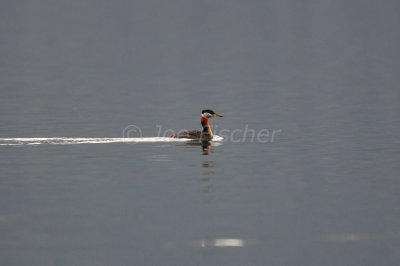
(323, 75)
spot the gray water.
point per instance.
(325, 75)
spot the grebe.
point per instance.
(205, 135)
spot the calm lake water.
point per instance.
(324, 76)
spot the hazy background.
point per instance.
(325, 73)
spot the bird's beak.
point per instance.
(216, 115)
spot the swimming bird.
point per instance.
(204, 135)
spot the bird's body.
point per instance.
(204, 135)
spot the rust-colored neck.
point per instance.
(206, 126)
(204, 122)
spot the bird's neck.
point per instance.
(206, 125)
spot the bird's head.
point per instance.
(209, 113)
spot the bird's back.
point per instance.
(192, 134)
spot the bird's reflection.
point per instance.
(205, 146)
(207, 164)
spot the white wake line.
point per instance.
(69, 141)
